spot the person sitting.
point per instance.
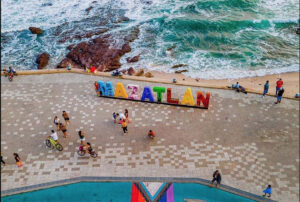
(88, 148)
(116, 73)
(151, 134)
(241, 89)
(54, 136)
(12, 70)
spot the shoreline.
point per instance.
(251, 84)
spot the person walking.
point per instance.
(56, 121)
(268, 190)
(279, 84)
(124, 126)
(82, 138)
(18, 160)
(63, 128)
(216, 177)
(126, 113)
(266, 89)
(66, 117)
(2, 161)
(279, 95)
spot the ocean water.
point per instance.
(212, 38)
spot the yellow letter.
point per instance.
(188, 98)
(120, 91)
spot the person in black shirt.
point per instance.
(279, 95)
(216, 177)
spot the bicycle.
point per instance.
(81, 152)
(52, 143)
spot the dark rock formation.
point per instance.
(101, 52)
(36, 30)
(179, 65)
(88, 9)
(149, 75)
(42, 60)
(70, 47)
(133, 59)
(131, 71)
(140, 73)
(298, 31)
(180, 71)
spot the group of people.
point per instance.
(123, 119)
(60, 126)
(279, 89)
(217, 178)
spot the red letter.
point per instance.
(169, 97)
(200, 98)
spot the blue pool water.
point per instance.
(118, 192)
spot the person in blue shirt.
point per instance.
(268, 190)
(266, 88)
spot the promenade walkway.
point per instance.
(249, 139)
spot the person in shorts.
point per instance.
(81, 137)
(63, 128)
(268, 190)
(66, 117)
(279, 84)
(216, 177)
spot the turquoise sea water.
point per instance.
(213, 38)
(119, 192)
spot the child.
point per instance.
(268, 190)
(124, 126)
(18, 160)
(115, 117)
(56, 122)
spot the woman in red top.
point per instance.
(96, 88)
(279, 84)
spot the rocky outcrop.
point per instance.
(139, 73)
(36, 30)
(177, 66)
(82, 36)
(148, 75)
(130, 71)
(133, 59)
(180, 71)
(70, 47)
(99, 52)
(42, 60)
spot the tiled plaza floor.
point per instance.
(249, 139)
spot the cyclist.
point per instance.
(88, 148)
(54, 136)
(11, 70)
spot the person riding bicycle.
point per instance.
(54, 136)
(88, 148)
(11, 70)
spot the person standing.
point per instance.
(279, 84)
(56, 121)
(63, 128)
(266, 88)
(81, 137)
(268, 190)
(151, 134)
(18, 160)
(66, 117)
(2, 161)
(124, 126)
(279, 95)
(216, 177)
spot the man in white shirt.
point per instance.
(54, 136)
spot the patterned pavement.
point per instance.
(249, 139)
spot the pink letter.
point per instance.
(134, 89)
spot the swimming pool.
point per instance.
(118, 192)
